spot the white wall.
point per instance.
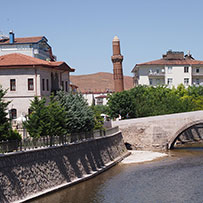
(89, 98)
(27, 51)
(20, 99)
(21, 76)
(178, 75)
(144, 75)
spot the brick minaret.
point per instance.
(117, 59)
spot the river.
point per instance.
(176, 178)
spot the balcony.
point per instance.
(156, 74)
(198, 75)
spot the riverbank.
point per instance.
(142, 156)
(29, 174)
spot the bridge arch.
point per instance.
(181, 130)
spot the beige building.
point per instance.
(172, 69)
(25, 77)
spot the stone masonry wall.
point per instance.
(26, 173)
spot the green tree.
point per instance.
(98, 119)
(198, 102)
(144, 101)
(100, 108)
(38, 121)
(121, 103)
(180, 90)
(56, 125)
(195, 91)
(4, 122)
(79, 116)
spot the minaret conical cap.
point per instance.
(116, 39)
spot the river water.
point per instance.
(176, 178)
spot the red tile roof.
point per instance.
(101, 96)
(23, 40)
(17, 59)
(172, 62)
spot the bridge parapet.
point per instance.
(157, 132)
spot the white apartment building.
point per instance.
(172, 69)
(97, 98)
(25, 77)
(37, 47)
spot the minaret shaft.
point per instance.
(117, 60)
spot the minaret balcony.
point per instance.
(117, 58)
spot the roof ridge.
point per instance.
(29, 37)
(33, 59)
(18, 59)
(163, 61)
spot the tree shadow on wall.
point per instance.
(11, 187)
(65, 163)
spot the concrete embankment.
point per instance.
(26, 175)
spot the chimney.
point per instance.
(11, 37)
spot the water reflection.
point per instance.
(177, 178)
(84, 192)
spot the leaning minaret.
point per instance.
(117, 59)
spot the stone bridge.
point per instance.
(161, 132)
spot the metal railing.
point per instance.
(31, 143)
(155, 74)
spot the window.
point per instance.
(100, 101)
(30, 84)
(157, 70)
(13, 113)
(66, 86)
(170, 81)
(150, 81)
(62, 85)
(197, 70)
(12, 85)
(158, 81)
(186, 69)
(47, 84)
(186, 81)
(43, 84)
(29, 111)
(197, 81)
(170, 69)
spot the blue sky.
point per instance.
(81, 31)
